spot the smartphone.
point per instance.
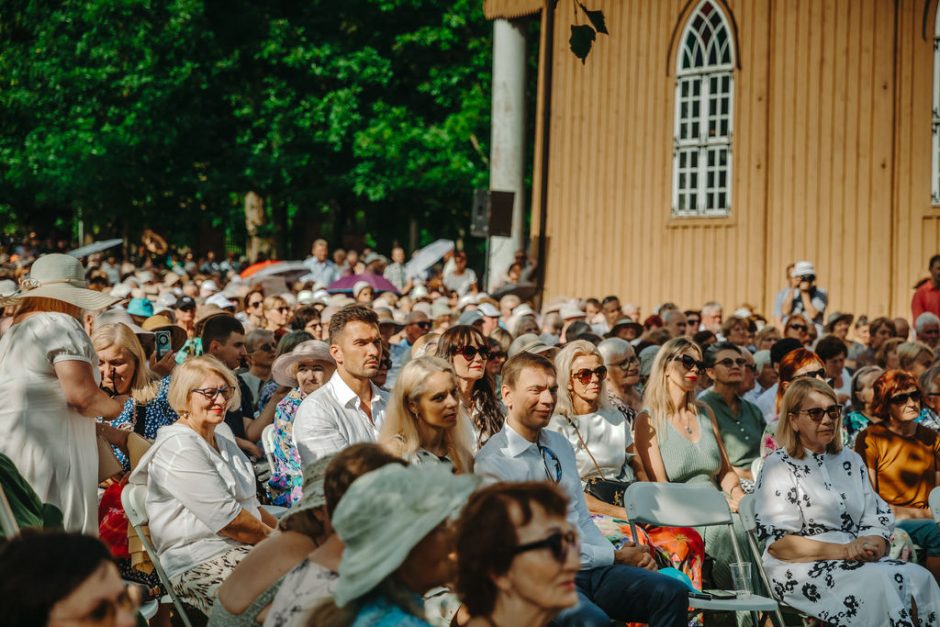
(722, 594)
(164, 342)
(700, 595)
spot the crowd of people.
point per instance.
(416, 451)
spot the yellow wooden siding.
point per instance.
(817, 163)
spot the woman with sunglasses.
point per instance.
(678, 441)
(517, 555)
(602, 440)
(204, 514)
(826, 529)
(253, 303)
(797, 326)
(862, 399)
(623, 372)
(424, 421)
(276, 313)
(466, 350)
(902, 459)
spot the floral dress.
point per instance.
(285, 487)
(155, 414)
(829, 498)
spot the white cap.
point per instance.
(802, 268)
(488, 310)
(220, 301)
(305, 297)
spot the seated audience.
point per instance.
(272, 391)
(825, 527)
(424, 422)
(623, 370)
(204, 515)
(304, 370)
(53, 579)
(517, 555)
(398, 544)
(861, 412)
(833, 353)
(930, 391)
(914, 357)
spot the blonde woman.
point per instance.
(677, 439)
(204, 515)
(126, 374)
(424, 421)
(276, 313)
(49, 393)
(603, 445)
(825, 527)
(915, 357)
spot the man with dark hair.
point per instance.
(621, 584)
(834, 352)
(223, 337)
(767, 402)
(927, 296)
(610, 308)
(349, 408)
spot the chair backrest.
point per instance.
(746, 511)
(676, 505)
(934, 501)
(133, 498)
(267, 443)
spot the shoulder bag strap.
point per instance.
(585, 447)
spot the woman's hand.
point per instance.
(734, 498)
(117, 437)
(875, 547)
(165, 365)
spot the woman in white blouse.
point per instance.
(424, 421)
(604, 450)
(826, 529)
(204, 514)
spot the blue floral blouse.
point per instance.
(285, 487)
(155, 414)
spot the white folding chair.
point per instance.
(267, 443)
(934, 501)
(679, 505)
(132, 498)
(749, 521)
(7, 520)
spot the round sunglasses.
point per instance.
(470, 352)
(585, 375)
(558, 544)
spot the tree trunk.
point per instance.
(254, 223)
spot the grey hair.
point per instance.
(614, 350)
(712, 307)
(670, 314)
(762, 359)
(928, 380)
(925, 319)
(256, 337)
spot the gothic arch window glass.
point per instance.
(935, 118)
(704, 115)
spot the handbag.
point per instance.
(603, 489)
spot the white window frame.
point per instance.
(935, 119)
(703, 144)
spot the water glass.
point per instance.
(741, 575)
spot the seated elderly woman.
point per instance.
(517, 555)
(424, 421)
(245, 597)
(826, 529)
(623, 371)
(204, 515)
(915, 357)
(303, 370)
(399, 544)
(903, 458)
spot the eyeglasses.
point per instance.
(424, 324)
(558, 544)
(283, 309)
(802, 328)
(210, 394)
(902, 399)
(727, 362)
(585, 375)
(813, 374)
(629, 362)
(470, 352)
(550, 461)
(752, 367)
(816, 413)
(690, 363)
(268, 348)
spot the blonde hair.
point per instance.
(399, 432)
(798, 391)
(908, 352)
(144, 382)
(564, 361)
(34, 304)
(190, 374)
(426, 344)
(656, 398)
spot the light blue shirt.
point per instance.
(324, 272)
(507, 456)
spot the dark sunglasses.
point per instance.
(268, 348)
(816, 413)
(690, 363)
(255, 304)
(283, 309)
(470, 352)
(585, 375)
(902, 399)
(727, 362)
(814, 374)
(551, 463)
(800, 327)
(558, 544)
(424, 324)
(210, 394)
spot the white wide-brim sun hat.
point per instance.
(59, 277)
(312, 350)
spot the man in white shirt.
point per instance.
(619, 585)
(349, 408)
(323, 270)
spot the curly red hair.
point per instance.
(793, 362)
(887, 385)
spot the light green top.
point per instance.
(221, 617)
(741, 432)
(691, 462)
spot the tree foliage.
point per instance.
(164, 114)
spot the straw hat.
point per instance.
(59, 277)
(311, 350)
(385, 514)
(162, 323)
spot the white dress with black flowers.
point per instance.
(829, 498)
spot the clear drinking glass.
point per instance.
(741, 575)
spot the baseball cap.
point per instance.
(186, 302)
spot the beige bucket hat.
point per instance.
(60, 277)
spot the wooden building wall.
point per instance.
(831, 157)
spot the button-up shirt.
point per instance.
(324, 272)
(332, 418)
(508, 456)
